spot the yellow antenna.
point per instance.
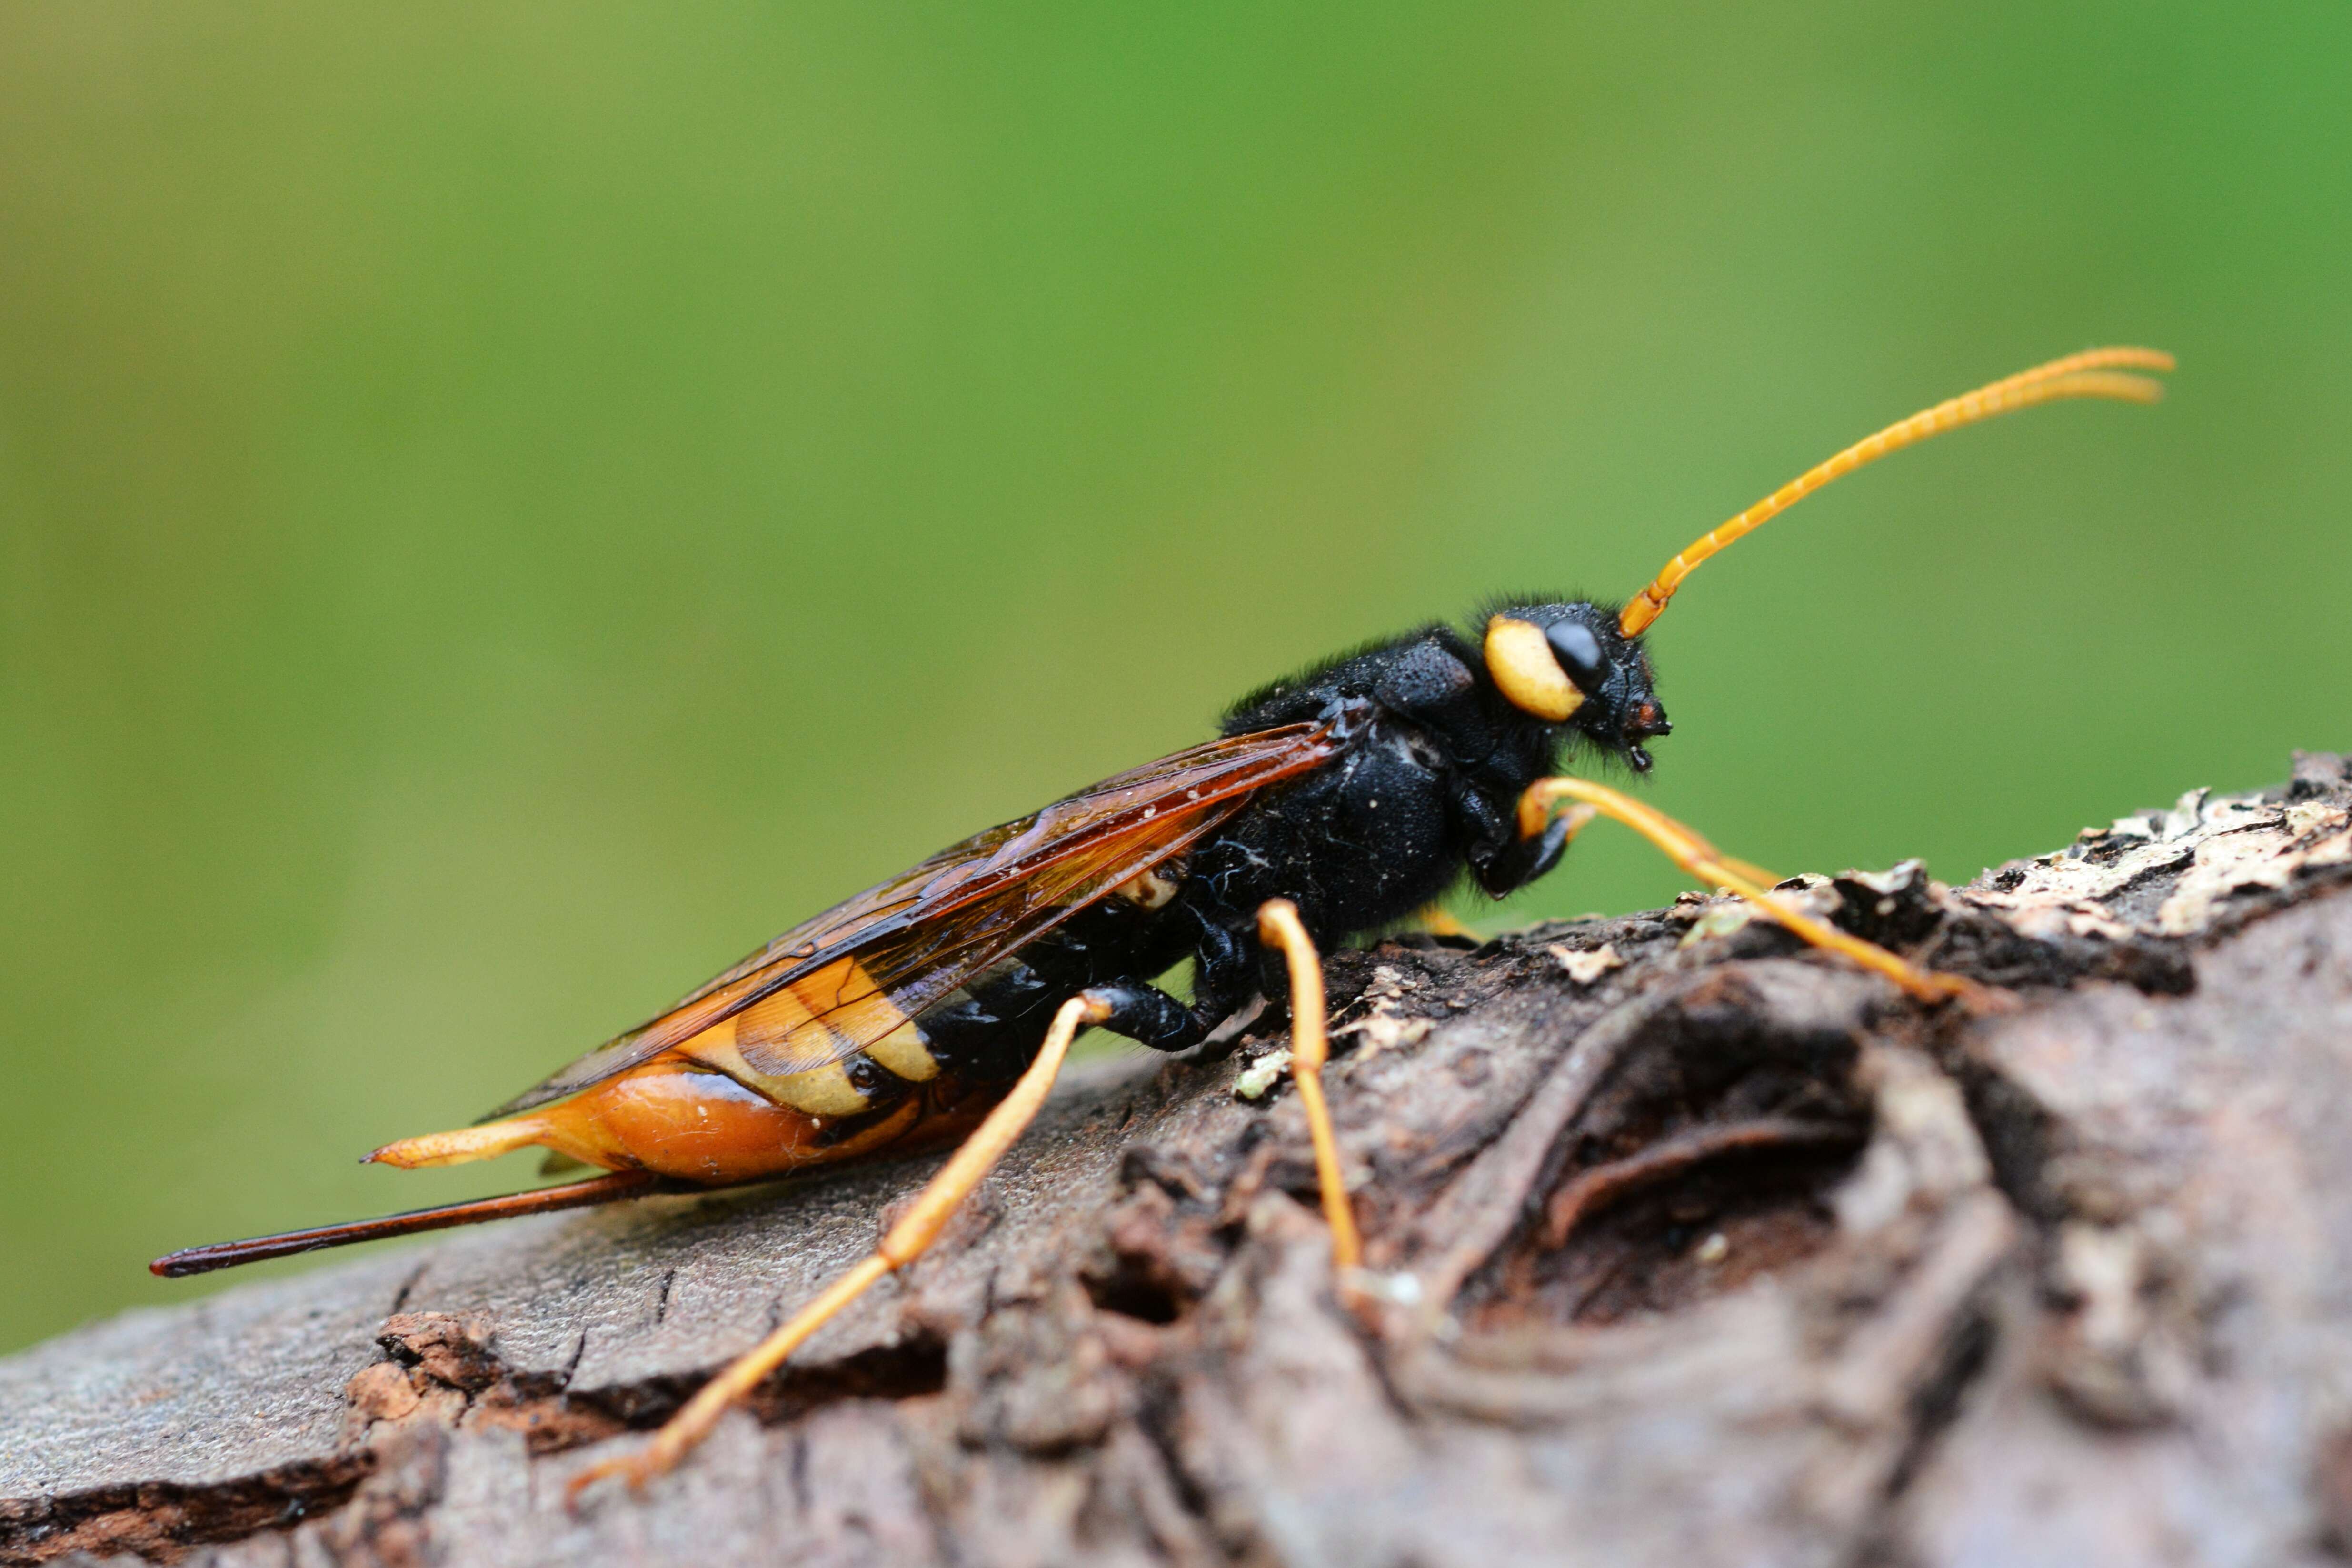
(2091, 373)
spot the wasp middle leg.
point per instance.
(1278, 926)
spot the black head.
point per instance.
(1568, 664)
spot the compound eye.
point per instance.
(1579, 652)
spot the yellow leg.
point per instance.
(907, 1240)
(1438, 920)
(1278, 926)
(1703, 860)
(1580, 814)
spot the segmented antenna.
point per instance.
(2092, 373)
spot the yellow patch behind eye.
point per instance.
(1520, 659)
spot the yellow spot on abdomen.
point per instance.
(790, 1045)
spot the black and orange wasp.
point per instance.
(940, 1005)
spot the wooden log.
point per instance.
(1688, 1247)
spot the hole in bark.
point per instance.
(1703, 1233)
(1705, 1163)
(1133, 1292)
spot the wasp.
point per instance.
(939, 1006)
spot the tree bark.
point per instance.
(1690, 1247)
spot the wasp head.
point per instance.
(1568, 664)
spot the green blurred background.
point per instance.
(502, 508)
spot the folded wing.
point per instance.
(842, 982)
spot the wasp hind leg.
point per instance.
(901, 1245)
(1129, 1008)
(1694, 854)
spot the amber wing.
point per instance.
(860, 969)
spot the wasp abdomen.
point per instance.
(714, 1108)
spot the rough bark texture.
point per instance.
(1692, 1248)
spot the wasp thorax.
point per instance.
(1520, 658)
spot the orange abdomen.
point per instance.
(676, 1117)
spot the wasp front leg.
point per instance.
(1694, 854)
(1521, 861)
(1502, 858)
